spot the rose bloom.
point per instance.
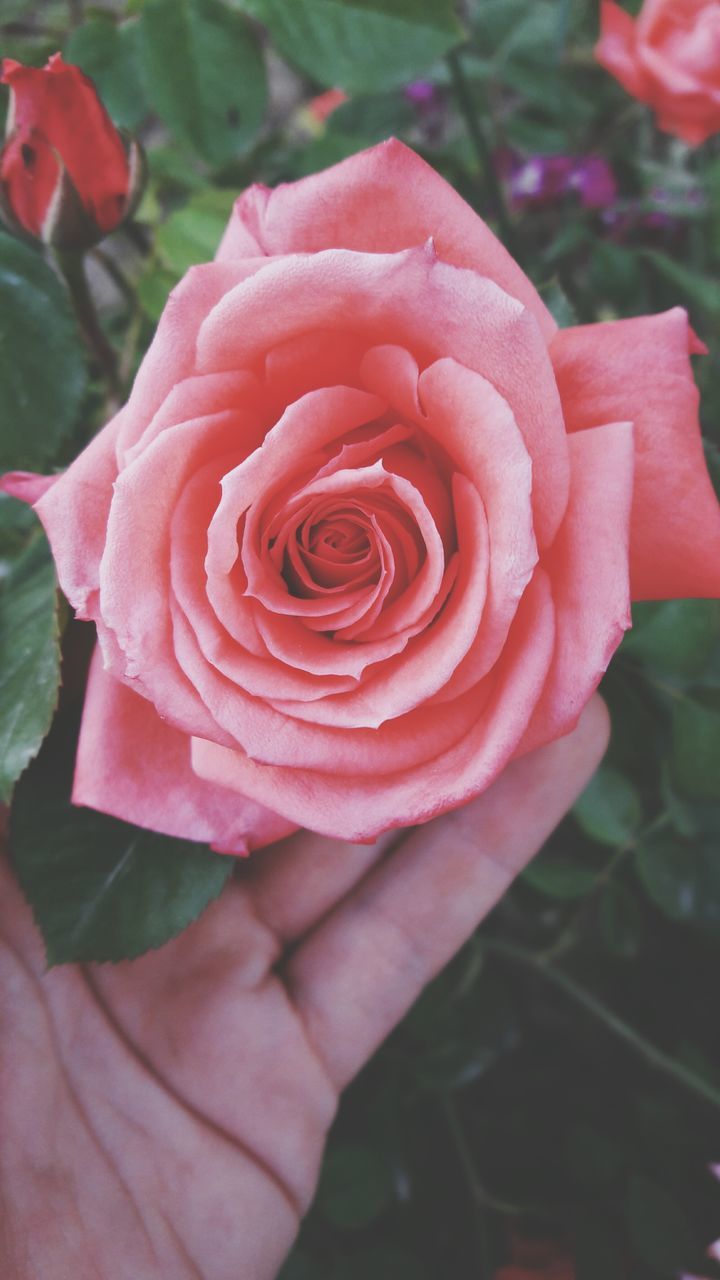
(67, 176)
(369, 525)
(668, 57)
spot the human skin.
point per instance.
(166, 1117)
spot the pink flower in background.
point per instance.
(322, 107)
(668, 57)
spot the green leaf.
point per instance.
(101, 889)
(29, 660)
(696, 749)
(609, 808)
(676, 638)
(355, 1186)
(42, 368)
(669, 873)
(696, 287)
(154, 287)
(559, 876)
(192, 234)
(592, 1157)
(378, 1262)
(658, 1228)
(110, 54)
(559, 305)
(360, 45)
(204, 73)
(598, 1255)
(620, 922)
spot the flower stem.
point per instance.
(653, 1056)
(483, 152)
(72, 266)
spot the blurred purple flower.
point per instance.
(540, 180)
(421, 92)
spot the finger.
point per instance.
(297, 881)
(358, 973)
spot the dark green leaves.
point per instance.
(204, 74)
(29, 660)
(101, 889)
(609, 808)
(110, 54)
(658, 1227)
(355, 1186)
(42, 369)
(360, 45)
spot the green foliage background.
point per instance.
(562, 1077)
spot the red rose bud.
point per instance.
(67, 176)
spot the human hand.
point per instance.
(166, 1117)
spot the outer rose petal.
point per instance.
(639, 370)
(171, 355)
(616, 49)
(134, 766)
(588, 569)
(379, 201)
(74, 512)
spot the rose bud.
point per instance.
(67, 176)
(668, 57)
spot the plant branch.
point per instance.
(653, 1056)
(482, 149)
(72, 266)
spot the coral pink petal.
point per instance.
(171, 356)
(262, 677)
(380, 201)
(135, 568)
(199, 397)
(476, 426)
(134, 766)
(26, 486)
(588, 569)
(639, 370)
(318, 358)
(411, 300)
(344, 804)
(78, 543)
(392, 373)
(399, 684)
(274, 739)
(316, 419)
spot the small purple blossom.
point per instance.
(421, 92)
(540, 180)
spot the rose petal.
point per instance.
(359, 808)
(379, 201)
(399, 684)
(588, 569)
(171, 355)
(639, 370)
(155, 786)
(415, 301)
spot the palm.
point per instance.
(166, 1117)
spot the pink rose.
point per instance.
(368, 526)
(668, 57)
